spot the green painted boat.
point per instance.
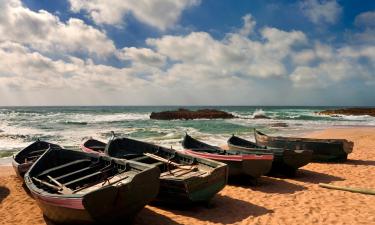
(323, 149)
(285, 161)
(77, 187)
(239, 162)
(184, 179)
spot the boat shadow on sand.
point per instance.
(359, 162)
(313, 177)
(144, 217)
(4, 192)
(222, 209)
(277, 186)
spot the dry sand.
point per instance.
(273, 201)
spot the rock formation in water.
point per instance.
(190, 115)
(349, 111)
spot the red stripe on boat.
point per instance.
(89, 150)
(229, 157)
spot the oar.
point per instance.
(351, 189)
(184, 167)
(63, 188)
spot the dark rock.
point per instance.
(279, 124)
(189, 115)
(260, 116)
(349, 111)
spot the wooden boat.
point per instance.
(239, 162)
(184, 179)
(24, 159)
(285, 161)
(77, 187)
(93, 146)
(323, 149)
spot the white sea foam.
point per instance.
(95, 118)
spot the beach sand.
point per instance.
(272, 201)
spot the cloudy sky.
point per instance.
(187, 52)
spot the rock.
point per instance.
(260, 116)
(279, 124)
(349, 111)
(190, 115)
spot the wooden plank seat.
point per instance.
(158, 163)
(112, 180)
(87, 177)
(83, 178)
(77, 171)
(140, 158)
(64, 166)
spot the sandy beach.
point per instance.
(297, 200)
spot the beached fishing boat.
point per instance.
(77, 187)
(24, 159)
(323, 149)
(285, 161)
(93, 146)
(240, 162)
(184, 178)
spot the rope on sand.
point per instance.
(351, 189)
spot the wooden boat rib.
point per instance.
(285, 161)
(323, 149)
(239, 162)
(77, 187)
(184, 178)
(24, 159)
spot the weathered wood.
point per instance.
(180, 166)
(351, 189)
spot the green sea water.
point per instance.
(67, 126)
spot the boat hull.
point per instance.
(323, 149)
(179, 189)
(19, 160)
(115, 202)
(285, 162)
(194, 190)
(250, 165)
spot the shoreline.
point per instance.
(273, 201)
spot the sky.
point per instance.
(187, 52)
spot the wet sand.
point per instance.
(297, 200)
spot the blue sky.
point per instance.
(150, 52)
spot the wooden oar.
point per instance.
(54, 187)
(161, 159)
(351, 189)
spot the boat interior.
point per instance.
(170, 163)
(81, 175)
(33, 152)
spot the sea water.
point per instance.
(68, 126)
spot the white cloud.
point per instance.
(161, 14)
(195, 68)
(235, 55)
(45, 32)
(366, 19)
(366, 23)
(321, 11)
(335, 66)
(249, 25)
(143, 56)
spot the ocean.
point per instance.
(69, 125)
